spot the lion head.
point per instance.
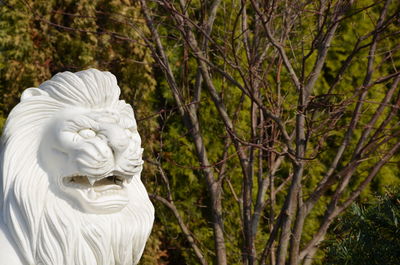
(71, 164)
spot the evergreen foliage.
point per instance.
(368, 233)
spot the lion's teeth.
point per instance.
(91, 181)
(129, 180)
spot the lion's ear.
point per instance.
(33, 92)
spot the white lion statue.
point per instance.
(71, 160)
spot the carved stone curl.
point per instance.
(71, 160)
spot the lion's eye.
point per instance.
(87, 133)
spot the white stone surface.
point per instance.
(71, 160)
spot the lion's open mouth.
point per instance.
(105, 194)
(112, 182)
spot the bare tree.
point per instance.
(256, 55)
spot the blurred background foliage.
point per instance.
(41, 38)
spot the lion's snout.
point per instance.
(112, 150)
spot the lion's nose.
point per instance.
(117, 139)
(119, 144)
